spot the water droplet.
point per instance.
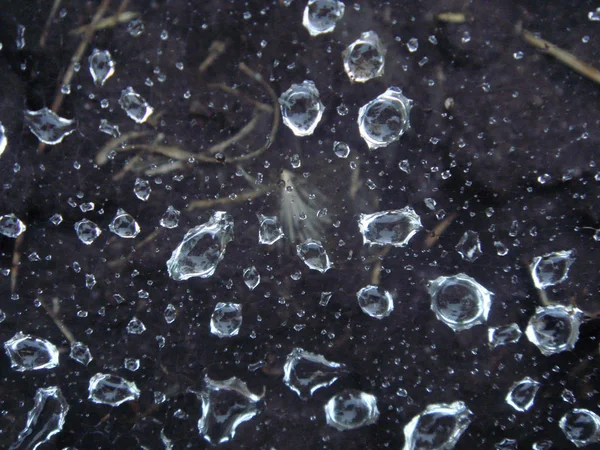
(522, 394)
(3, 139)
(306, 372)
(594, 16)
(48, 127)
(351, 409)
(325, 297)
(507, 444)
(554, 329)
(28, 352)
(170, 313)
(501, 249)
(20, 41)
(375, 301)
(439, 426)
(269, 230)
(134, 105)
(295, 161)
(384, 119)
(412, 45)
(226, 320)
(131, 364)
(364, 59)
(136, 326)
(459, 301)
(301, 108)
(87, 231)
(142, 189)
(503, 335)
(56, 219)
(404, 166)
(135, 28)
(552, 268)
(313, 254)
(581, 426)
(251, 277)
(111, 390)
(469, 246)
(11, 226)
(394, 227)
(107, 128)
(341, 149)
(342, 109)
(102, 66)
(124, 225)
(202, 248)
(80, 353)
(170, 218)
(321, 16)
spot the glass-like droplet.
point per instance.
(503, 335)
(469, 246)
(384, 119)
(341, 149)
(269, 229)
(80, 353)
(108, 128)
(170, 218)
(438, 427)
(351, 409)
(142, 189)
(102, 66)
(364, 59)
(111, 390)
(48, 127)
(522, 394)
(375, 301)
(87, 231)
(554, 329)
(394, 227)
(131, 364)
(170, 313)
(3, 139)
(306, 372)
(226, 320)
(136, 326)
(124, 225)
(321, 16)
(507, 444)
(581, 427)
(301, 108)
(202, 248)
(28, 352)
(11, 226)
(136, 27)
(545, 444)
(134, 105)
(251, 277)
(314, 255)
(459, 301)
(552, 268)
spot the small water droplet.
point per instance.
(102, 66)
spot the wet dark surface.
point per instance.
(512, 121)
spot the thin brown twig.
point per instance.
(244, 131)
(439, 229)
(109, 22)
(61, 326)
(16, 262)
(211, 203)
(258, 104)
(452, 17)
(113, 144)
(217, 48)
(151, 237)
(48, 23)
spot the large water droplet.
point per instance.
(313, 254)
(552, 268)
(134, 105)
(522, 394)
(11, 226)
(306, 372)
(581, 427)
(394, 227)
(503, 335)
(384, 119)
(301, 108)
(87, 231)
(269, 230)
(124, 225)
(102, 66)
(142, 189)
(48, 127)
(321, 16)
(202, 248)
(113, 390)
(459, 301)
(28, 352)
(375, 301)
(80, 353)
(226, 319)
(351, 409)
(341, 149)
(554, 329)
(469, 246)
(364, 59)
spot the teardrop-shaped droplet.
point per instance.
(314, 255)
(111, 390)
(351, 409)
(102, 66)
(136, 107)
(124, 225)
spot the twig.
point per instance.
(452, 17)
(563, 56)
(241, 95)
(376, 272)
(217, 48)
(16, 262)
(246, 130)
(210, 203)
(48, 23)
(151, 237)
(439, 229)
(102, 156)
(109, 22)
(61, 326)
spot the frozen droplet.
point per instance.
(87, 207)
(581, 426)
(48, 127)
(44, 420)
(134, 105)
(131, 364)
(501, 249)
(507, 444)
(11, 226)
(469, 246)
(351, 409)
(80, 353)
(438, 427)
(28, 352)
(325, 297)
(594, 16)
(56, 219)
(226, 319)
(364, 59)
(136, 326)
(225, 405)
(170, 218)
(545, 444)
(375, 301)
(341, 149)
(102, 66)
(459, 301)
(202, 248)
(269, 229)
(142, 189)
(135, 28)
(503, 335)
(394, 227)
(430, 203)
(552, 268)
(306, 372)
(412, 45)
(87, 231)
(301, 108)
(522, 394)
(384, 119)
(554, 329)
(251, 277)
(313, 254)
(108, 128)
(321, 16)
(113, 390)
(295, 161)
(124, 225)
(170, 313)
(342, 109)
(3, 139)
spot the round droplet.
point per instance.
(226, 319)
(522, 394)
(341, 149)
(375, 301)
(321, 16)
(134, 105)
(364, 58)
(552, 268)
(301, 108)
(351, 409)
(11, 226)
(384, 119)
(554, 329)
(581, 427)
(87, 231)
(124, 225)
